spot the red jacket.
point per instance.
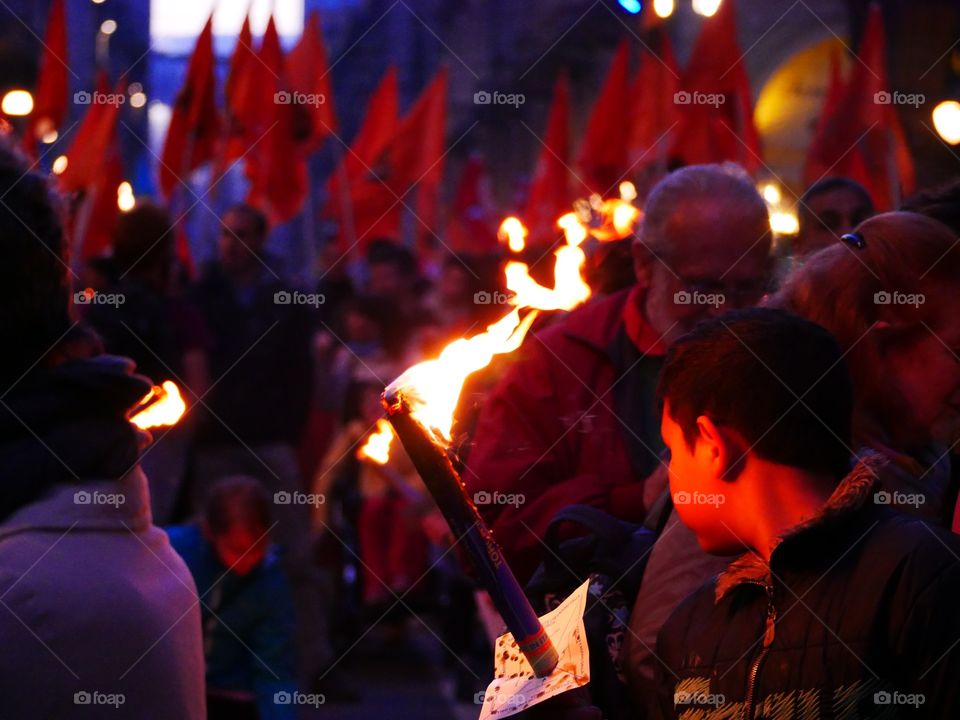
(548, 431)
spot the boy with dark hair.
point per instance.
(839, 607)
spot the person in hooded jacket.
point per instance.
(98, 615)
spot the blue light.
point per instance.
(631, 6)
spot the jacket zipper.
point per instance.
(754, 674)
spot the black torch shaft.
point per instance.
(445, 485)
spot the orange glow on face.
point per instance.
(162, 407)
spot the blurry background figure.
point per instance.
(254, 414)
(941, 203)
(246, 606)
(828, 209)
(160, 329)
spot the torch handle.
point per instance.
(461, 514)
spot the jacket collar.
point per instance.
(596, 324)
(107, 505)
(851, 494)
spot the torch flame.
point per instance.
(377, 446)
(163, 406)
(432, 388)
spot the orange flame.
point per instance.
(432, 388)
(377, 446)
(163, 406)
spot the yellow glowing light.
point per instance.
(513, 232)
(164, 407)
(771, 193)
(108, 27)
(707, 8)
(946, 119)
(138, 100)
(59, 165)
(125, 199)
(17, 103)
(377, 446)
(784, 223)
(49, 137)
(663, 8)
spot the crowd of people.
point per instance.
(791, 408)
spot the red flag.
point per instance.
(472, 227)
(276, 166)
(860, 136)
(103, 211)
(53, 85)
(93, 139)
(417, 153)
(241, 100)
(181, 250)
(355, 199)
(716, 109)
(602, 158)
(195, 124)
(654, 110)
(310, 76)
(551, 193)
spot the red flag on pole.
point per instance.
(195, 124)
(276, 165)
(715, 103)
(602, 158)
(551, 190)
(310, 76)
(51, 95)
(93, 138)
(859, 134)
(241, 100)
(472, 227)
(653, 106)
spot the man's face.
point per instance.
(239, 242)
(703, 499)
(240, 549)
(829, 215)
(717, 260)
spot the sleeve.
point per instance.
(519, 469)
(927, 641)
(273, 648)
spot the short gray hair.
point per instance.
(726, 182)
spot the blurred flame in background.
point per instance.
(377, 446)
(432, 388)
(163, 406)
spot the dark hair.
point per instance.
(829, 184)
(238, 501)
(940, 203)
(777, 379)
(143, 240)
(383, 251)
(33, 274)
(259, 218)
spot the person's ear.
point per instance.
(724, 451)
(643, 260)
